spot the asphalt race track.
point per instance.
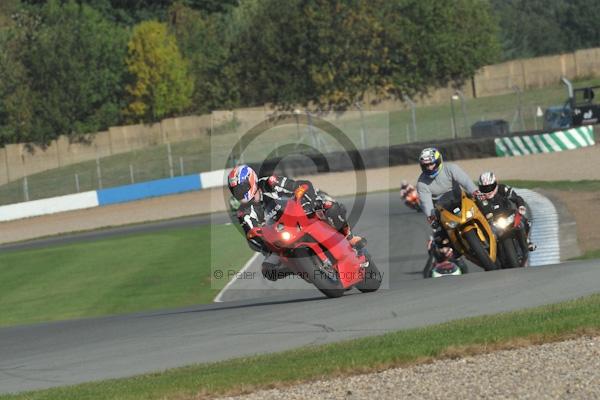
(62, 353)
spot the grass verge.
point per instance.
(588, 255)
(449, 340)
(130, 273)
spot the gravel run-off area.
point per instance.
(564, 370)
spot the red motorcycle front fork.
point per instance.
(317, 251)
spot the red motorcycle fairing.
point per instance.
(294, 229)
(518, 218)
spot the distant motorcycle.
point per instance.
(314, 250)
(409, 194)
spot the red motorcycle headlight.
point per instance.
(285, 236)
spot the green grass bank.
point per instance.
(117, 275)
(453, 339)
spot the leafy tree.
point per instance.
(16, 109)
(211, 6)
(431, 43)
(331, 52)
(131, 12)
(531, 28)
(160, 84)
(205, 41)
(7, 8)
(15, 113)
(580, 22)
(65, 73)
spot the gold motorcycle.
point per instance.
(468, 230)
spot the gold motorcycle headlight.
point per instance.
(470, 213)
(451, 224)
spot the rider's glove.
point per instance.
(254, 232)
(321, 204)
(299, 192)
(433, 222)
(522, 210)
(478, 195)
(446, 252)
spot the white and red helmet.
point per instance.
(488, 184)
(243, 183)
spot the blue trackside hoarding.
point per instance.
(143, 190)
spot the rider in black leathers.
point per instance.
(254, 195)
(496, 195)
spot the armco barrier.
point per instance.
(49, 206)
(569, 139)
(340, 161)
(381, 157)
(144, 190)
(212, 179)
(302, 165)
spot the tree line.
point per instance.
(78, 66)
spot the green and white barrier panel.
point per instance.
(570, 139)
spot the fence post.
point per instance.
(25, 188)
(99, 173)
(296, 117)
(170, 156)
(181, 164)
(311, 133)
(413, 107)
(518, 116)
(317, 140)
(131, 173)
(77, 183)
(453, 120)
(459, 95)
(363, 133)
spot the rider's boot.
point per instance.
(530, 245)
(357, 242)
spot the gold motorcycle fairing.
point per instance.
(465, 218)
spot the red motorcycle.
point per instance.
(315, 251)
